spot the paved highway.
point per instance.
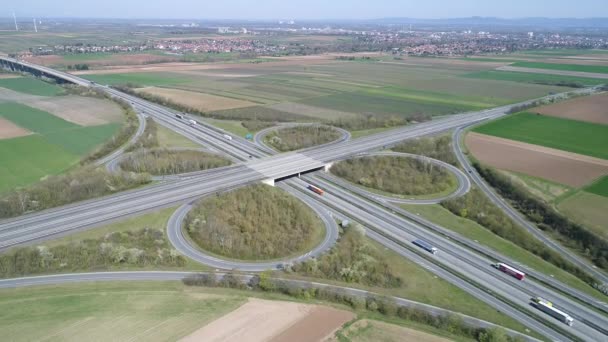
(456, 257)
(515, 215)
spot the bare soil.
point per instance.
(114, 59)
(587, 108)
(5, 76)
(9, 130)
(559, 166)
(205, 102)
(83, 111)
(263, 320)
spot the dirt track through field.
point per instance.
(262, 320)
(9, 130)
(559, 166)
(587, 108)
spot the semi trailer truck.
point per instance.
(510, 270)
(547, 307)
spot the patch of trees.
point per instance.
(256, 125)
(433, 147)
(256, 222)
(148, 139)
(397, 175)
(141, 248)
(477, 207)
(166, 162)
(570, 84)
(372, 121)
(352, 260)
(385, 306)
(295, 138)
(78, 67)
(75, 186)
(548, 219)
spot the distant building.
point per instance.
(223, 30)
(531, 34)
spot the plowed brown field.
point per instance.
(263, 320)
(587, 108)
(205, 102)
(562, 167)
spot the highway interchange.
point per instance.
(458, 263)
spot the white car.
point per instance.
(191, 122)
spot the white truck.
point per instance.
(547, 307)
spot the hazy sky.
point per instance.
(305, 9)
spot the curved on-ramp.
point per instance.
(181, 243)
(464, 184)
(258, 138)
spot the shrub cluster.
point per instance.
(165, 162)
(295, 138)
(352, 260)
(78, 185)
(397, 175)
(385, 306)
(145, 247)
(256, 222)
(433, 147)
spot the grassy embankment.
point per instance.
(295, 138)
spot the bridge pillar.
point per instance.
(327, 166)
(269, 181)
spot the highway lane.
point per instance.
(464, 184)
(388, 233)
(515, 215)
(71, 278)
(475, 246)
(453, 256)
(181, 243)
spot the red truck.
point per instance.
(510, 270)
(316, 190)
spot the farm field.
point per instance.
(366, 330)
(204, 102)
(102, 59)
(600, 187)
(558, 166)
(322, 88)
(30, 85)
(533, 78)
(563, 67)
(563, 134)
(588, 209)
(586, 108)
(110, 311)
(54, 146)
(263, 320)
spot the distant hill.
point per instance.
(502, 22)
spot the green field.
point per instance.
(526, 77)
(599, 187)
(55, 145)
(469, 229)
(143, 79)
(30, 85)
(143, 311)
(588, 209)
(563, 67)
(563, 134)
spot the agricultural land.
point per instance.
(44, 133)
